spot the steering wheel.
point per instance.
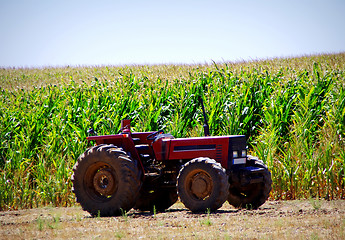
(153, 135)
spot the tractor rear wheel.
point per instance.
(106, 181)
(202, 184)
(253, 195)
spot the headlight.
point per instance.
(244, 153)
(234, 154)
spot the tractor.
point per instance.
(149, 171)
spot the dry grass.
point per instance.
(308, 219)
(28, 78)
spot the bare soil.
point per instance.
(300, 219)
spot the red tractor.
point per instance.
(150, 170)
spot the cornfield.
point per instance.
(292, 112)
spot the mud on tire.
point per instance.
(202, 184)
(106, 181)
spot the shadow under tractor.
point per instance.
(150, 170)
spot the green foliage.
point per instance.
(124, 214)
(316, 203)
(154, 211)
(40, 224)
(52, 224)
(206, 221)
(291, 110)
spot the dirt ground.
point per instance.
(307, 219)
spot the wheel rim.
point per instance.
(104, 182)
(100, 181)
(199, 184)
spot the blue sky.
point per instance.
(43, 33)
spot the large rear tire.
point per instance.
(202, 185)
(106, 181)
(253, 195)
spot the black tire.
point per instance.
(202, 184)
(159, 199)
(253, 195)
(106, 181)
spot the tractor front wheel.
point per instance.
(106, 181)
(202, 184)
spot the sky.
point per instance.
(53, 33)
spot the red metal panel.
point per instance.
(216, 148)
(120, 140)
(109, 139)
